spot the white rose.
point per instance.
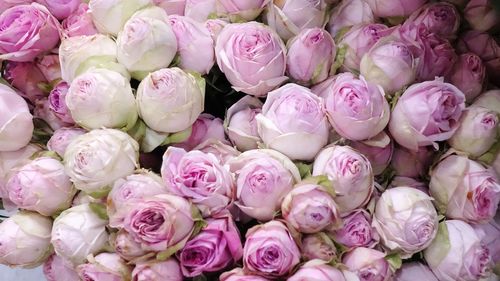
(109, 16)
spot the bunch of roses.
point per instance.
(364, 145)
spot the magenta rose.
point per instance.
(270, 250)
(60, 9)
(79, 22)
(27, 78)
(204, 128)
(378, 151)
(104, 266)
(217, 246)
(57, 102)
(440, 18)
(426, 113)
(56, 268)
(395, 8)
(61, 138)
(357, 230)
(368, 264)
(413, 164)
(238, 274)
(468, 74)
(318, 246)
(168, 270)
(27, 31)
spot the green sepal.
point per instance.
(178, 137)
(323, 181)
(199, 222)
(138, 131)
(439, 247)
(339, 58)
(490, 156)
(46, 153)
(44, 87)
(304, 169)
(100, 210)
(101, 193)
(394, 261)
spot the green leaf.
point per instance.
(99, 210)
(304, 169)
(339, 58)
(179, 136)
(394, 261)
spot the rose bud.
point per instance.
(241, 124)
(270, 250)
(477, 131)
(481, 15)
(27, 78)
(490, 237)
(395, 8)
(172, 7)
(146, 43)
(408, 271)
(168, 270)
(390, 64)
(356, 230)
(368, 264)
(468, 74)
(96, 159)
(4, 5)
(279, 130)
(378, 151)
(442, 19)
(342, 16)
(195, 44)
(25, 240)
(440, 107)
(170, 100)
(358, 41)
(57, 102)
(252, 57)
(200, 10)
(464, 189)
(199, 177)
(290, 17)
(16, 121)
(310, 56)
(50, 67)
(318, 246)
(241, 10)
(97, 89)
(222, 151)
(80, 53)
(217, 246)
(71, 232)
(104, 266)
(125, 246)
(319, 270)
(214, 27)
(61, 138)
(204, 128)
(239, 274)
(310, 208)
(60, 9)
(56, 268)
(485, 46)
(27, 31)
(157, 223)
(41, 185)
(351, 175)
(79, 22)
(263, 178)
(406, 220)
(42, 111)
(489, 99)
(457, 253)
(412, 164)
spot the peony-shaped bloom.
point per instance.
(442, 19)
(405, 220)
(217, 246)
(413, 164)
(170, 100)
(318, 246)
(157, 223)
(316, 270)
(270, 250)
(78, 232)
(42, 111)
(16, 121)
(50, 67)
(195, 45)
(25, 240)
(27, 31)
(168, 270)
(101, 98)
(78, 54)
(240, 10)
(57, 102)
(238, 274)
(389, 63)
(477, 131)
(79, 22)
(465, 190)
(263, 178)
(490, 237)
(224, 152)
(481, 15)
(278, 127)
(351, 175)
(457, 253)
(60, 9)
(125, 246)
(200, 10)
(56, 268)
(215, 26)
(290, 17)
(252, 57)
(61, 138)
(468, 74)
(395, 8)
(368, 264)
(27, 78)
(206, 127)
(310, 56)
(4, 5)
(146, 43)
(96, 159)
(408, 271)
(426, 113)
(241, 125)
(199, 177)
(310, 208)
(342, 16)
(110, 16)
(41, 185)
(104, 266)
(357, 230)
(378, 150)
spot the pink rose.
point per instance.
(172, 7)
(239, 274)
(60, 9)
(378, 151)
(204, 128)
(468, 74)
(442, 19)
(481, 15)
(222, 151)
(395, 8)
(50, 67)
(55, 268)
(57, 102)
(318, 270)
(426, 113)
(318, 246)
(368, 264)
(200, 10)
(252, 57)
(408, 271)
(270, 250)
(27, 78)
(4, 5)
(413, 164)
(241, 124)
(490, 237)
(241, 10)
(214, 27)
(61, 138)
(357, 230)
(104, 266)
(79, 22)
(217, 246)
(310, 56)
(125, 246)
(168, 270)
(465, 190)
(42, 111)
(342, 16)
(199, 177)
(27, 31)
